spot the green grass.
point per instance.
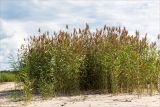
(7, 76)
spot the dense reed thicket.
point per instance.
(109, 59)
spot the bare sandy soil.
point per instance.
(124, 100)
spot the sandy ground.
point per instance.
(125, 100)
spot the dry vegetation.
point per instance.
(109, 60)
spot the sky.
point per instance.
(20, 19)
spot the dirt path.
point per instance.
(6, 91)
(79, 101)
(5, 86)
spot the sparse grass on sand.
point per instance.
(94, 100)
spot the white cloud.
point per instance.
(13, 36)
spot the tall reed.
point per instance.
(109, 59)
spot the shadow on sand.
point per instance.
(14, 95)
